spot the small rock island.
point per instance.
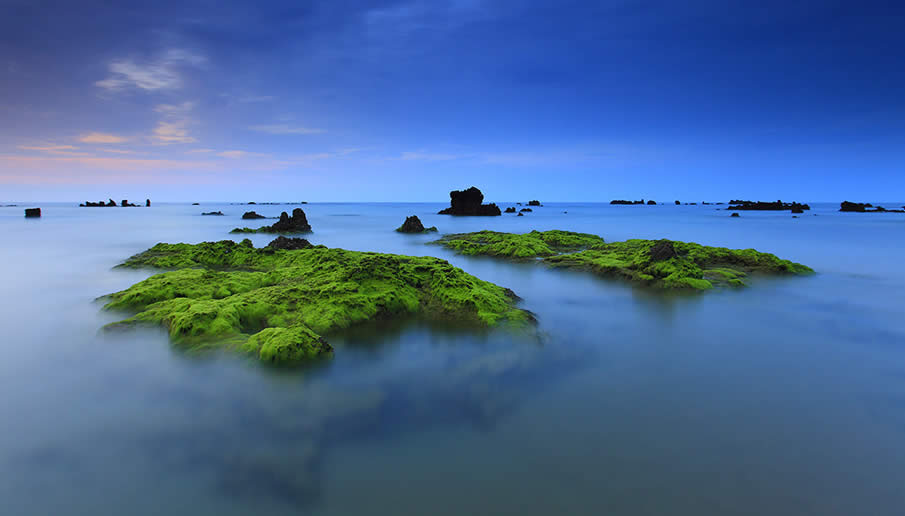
(276, 303)
(469, 202)
(662, 264)
(413, 225)
(297, 223)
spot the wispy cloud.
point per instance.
(285, 129)
(117, 151)
(101, 138)
(174, 126)
(160, 74)
(199, 151)
(428, 156)
(48, 148)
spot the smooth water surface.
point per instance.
(784, 398)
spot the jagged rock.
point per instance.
(32, 213)
(289, 244)
(468, 202)
(250, 215)
(662, 250)
(413, 225)
(297, 223)
(797, 209)
(510, 209)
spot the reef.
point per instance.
(662, 264)
(413, 225)
(858, 207)
(794, 207)
(276, 305)
(468, 202)
(297, 223)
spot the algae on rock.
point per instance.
(275, 304)
(657, 263)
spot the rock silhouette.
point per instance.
(32, 213)
(510, 209)
(413, 225)
(767, 206)
(858, 207)
(734, 215)
(534, 203)
(468, 202)
(250, 215)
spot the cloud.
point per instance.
(174, 126)
(117, 151)
(160, 74)
(234, 154)
(48, 148)
(285, 129)
(101, 138)
(199, 151)
(428, 156)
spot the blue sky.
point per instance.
(404, 100)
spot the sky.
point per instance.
(401, 100)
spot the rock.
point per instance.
(250, 215)
(526, 209)
(468, 202)
(217, 213)
(734, 215)
(32, 213)
(662, 250)
(147, 203)
(297, 223)
(510, 209)
(678, 203)
(858, 207)
(797, 209)
(651, 203)
(521, 214)
(413, 225)
(196, 204)
(289, 244)
(534, 203)
(766, 206)
(126, 204)
(623, 201)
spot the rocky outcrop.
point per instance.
(32, 213)
(510, 209)
(651, 203)
(289, 244)
(767, 206)
(858, 207)
(678, 203)
(534, 203)
(215, 213)
(126, 204)
(100, 204)
(469, 202)
(297, 223)
(413, 225)
(529, 210)
(250, 215)
(797, 209)
(734, 215)
(662, 250)
(623, 201)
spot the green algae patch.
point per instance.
(663, 264)
(275, 304)
(536, 244)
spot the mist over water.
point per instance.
(784, 398)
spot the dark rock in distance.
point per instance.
(468, 202)
(297, 223)
(734, 215)
(858, 207)
(196, 204)
(534, 203)
(413, 225)
(289, 244)
(623, 201)
(526, 209)
(126, 204)
(510, 209)
(766, 206)
(662, 250)
(521, 214)
(250, 215)
(651, 203)
(797, 209)
(678, 203)
(32, 213)
(217, 213)
(147, 203)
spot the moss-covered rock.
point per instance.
(658, 263)
(276, 304)
(536, 244)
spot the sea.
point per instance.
(784, 398)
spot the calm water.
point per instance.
(786, 398)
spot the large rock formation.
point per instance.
(413, 225)
(297, 223)
(468, 202)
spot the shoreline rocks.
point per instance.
(469, 203)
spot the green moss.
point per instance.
(692, 266)
(275, 304)
(519, 246)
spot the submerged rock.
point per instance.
(468, 202)
(413, 225)
(275, 304)
(734, 215)
(250, 215)
(32, 213)
(662, 264)
(215, 213)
